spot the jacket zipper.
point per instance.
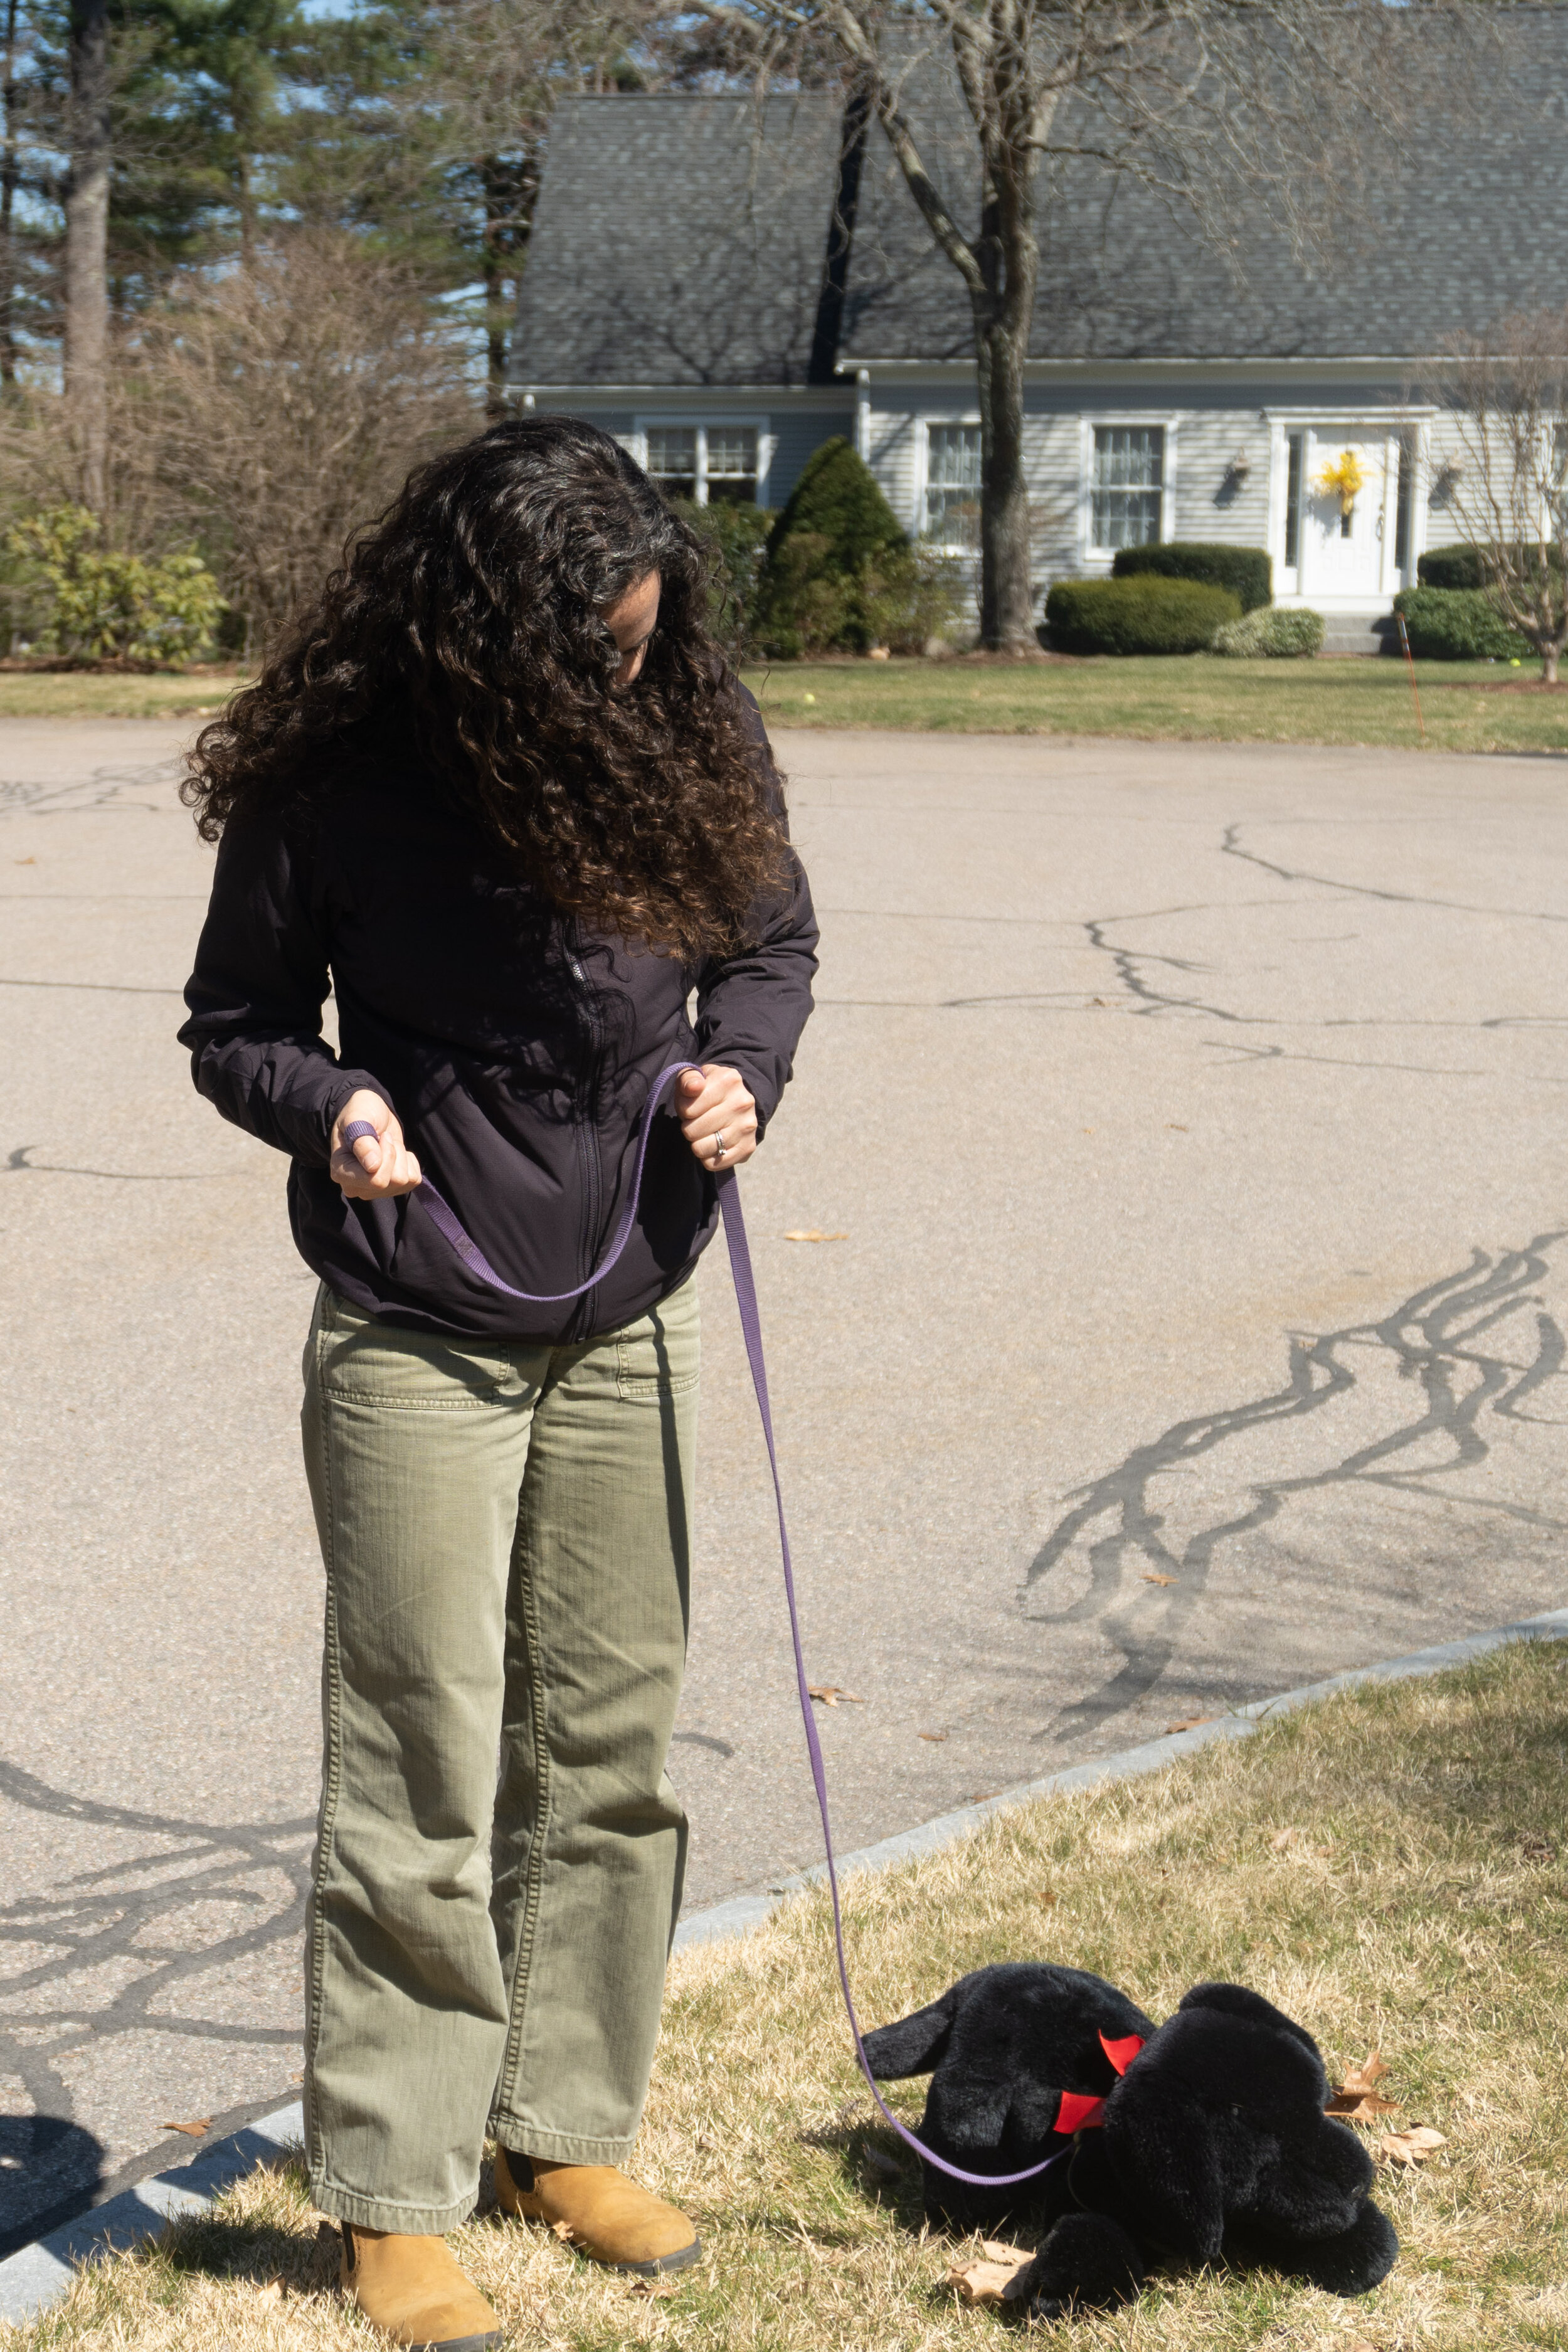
(587, 1147)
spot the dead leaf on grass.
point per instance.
(655, 2287)
(831, 1695)
(1153, 1579)
(1048, 1898)
(1359, 2107)
(562, 2230)
(1356, 2100)
(812, 1234)
(996, 2280)
(877, 2165)
(192, 2130)
(1413, 2147)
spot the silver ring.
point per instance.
(720, 1149)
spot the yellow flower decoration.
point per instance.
(1342, 480)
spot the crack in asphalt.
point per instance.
(98, 791)
(1432, 1341)
(1230, 846)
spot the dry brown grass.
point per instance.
(1420, 1905)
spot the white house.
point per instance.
(724, 285)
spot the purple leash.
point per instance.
(752, 1332)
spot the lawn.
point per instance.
(1388, 1866)
(1467, 706)
(114, 693)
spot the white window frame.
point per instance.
(701, 421)
(969, 417)
(1101, 558)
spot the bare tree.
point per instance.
(1500, 461)
(87, 243)
(288, 401)
(476, 114)
(1218, 102)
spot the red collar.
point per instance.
(1076, 2113)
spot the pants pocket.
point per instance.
(359, 1359)
(658, 1356)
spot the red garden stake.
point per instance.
(1410, 659)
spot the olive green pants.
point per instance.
(506, 1531)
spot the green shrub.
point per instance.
(899, 598)
(1142, 616)
(736, 535)
(907, 595)
(1245, 571)
(1274, 633)
(805, 605)
(1456, 625)
(1459, 566)
(837, 500)
(107, 606)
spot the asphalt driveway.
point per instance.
(1193, 1120)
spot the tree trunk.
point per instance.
(9, 97)
(1004, 311)
(87, 245)
(245, 193)
(1548, 656)
(1006, 601)
(494, 178)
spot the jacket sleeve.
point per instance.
(256, 995)
(751, 1007)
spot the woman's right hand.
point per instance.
(371, 1168)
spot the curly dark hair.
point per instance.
(470, 622)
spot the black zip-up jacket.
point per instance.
(517, 1049)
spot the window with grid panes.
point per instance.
(953, 485)
(1128, 482)
(731, 468)
(672, 459)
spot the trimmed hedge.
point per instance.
(1456, 625)
(1274, 633)
(1246, 571)
(1459, 566)
(1142, 616)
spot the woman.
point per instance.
(500, 792)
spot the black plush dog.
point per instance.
(1200, 2139)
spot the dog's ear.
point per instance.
(1168, 2167)
(915, 2044)
(1241, 2002)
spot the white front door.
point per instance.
(1342, 550)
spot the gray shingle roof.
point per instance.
(1470, 224)
(678, 240)
(681, 241)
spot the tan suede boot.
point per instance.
(602, 2214)
(414, 2289)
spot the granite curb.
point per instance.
(37, 2275)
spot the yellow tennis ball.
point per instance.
(810, 698)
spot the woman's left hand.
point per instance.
(717, 1115)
